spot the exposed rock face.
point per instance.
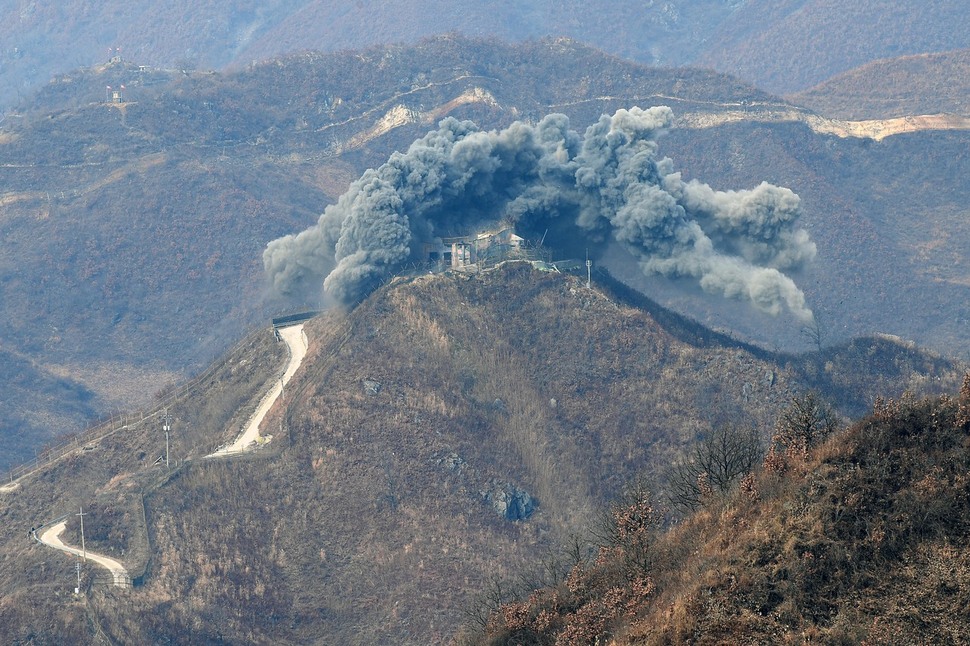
(769, 378)
(452, 462)
(510, 501)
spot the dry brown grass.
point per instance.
(363, 520)
(860, 540)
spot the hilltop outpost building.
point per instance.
(474, 252)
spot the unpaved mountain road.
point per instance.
(296, 341)
(52, 537)
(875, 129)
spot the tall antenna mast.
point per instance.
(589, 271)
(167, 426)
(84, 551)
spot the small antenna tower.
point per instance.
(77, 590)
(84, 551)
(589, 271)
(167, 426)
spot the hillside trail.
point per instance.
(875, 129)
(397, 114)
(52, 538)
(296, 342)
(291, 335)
(249, 439)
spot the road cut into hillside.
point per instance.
(875, 129)
(296, 341)
(52, 538)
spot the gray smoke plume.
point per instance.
(608, 183)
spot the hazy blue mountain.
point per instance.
(781, 46)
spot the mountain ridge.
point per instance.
(756, 39)
(183, 182)
(853, 538)
(411, 415)
(896, 87)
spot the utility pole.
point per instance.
(77, 590)
(84, 551)
(167, 425)
(589, 271)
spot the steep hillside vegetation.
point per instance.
(792, 45)
(781, 46)
(58, 402)
(445, 434)
(132, 231)
(860, 539)
(436, 405)
(45, 41)
(908, 85)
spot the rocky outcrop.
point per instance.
(509, 501)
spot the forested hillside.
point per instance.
(142, 222)
(859, 537)
(895, 87)
(793, 44)
(780, 46)
(445, 435)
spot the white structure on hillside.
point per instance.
(471, 251)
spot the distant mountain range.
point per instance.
(895, 87)
(447, 433)
(794, 44)
(132, 231)
(780, 46)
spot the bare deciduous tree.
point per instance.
(630, 524)
(806, 422)
(815, 332)
(713, 466)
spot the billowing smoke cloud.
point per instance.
(609, 182)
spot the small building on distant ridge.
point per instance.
(469, 252)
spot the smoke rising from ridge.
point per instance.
(607, 183)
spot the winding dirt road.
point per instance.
(52, 538)
(296, 341)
